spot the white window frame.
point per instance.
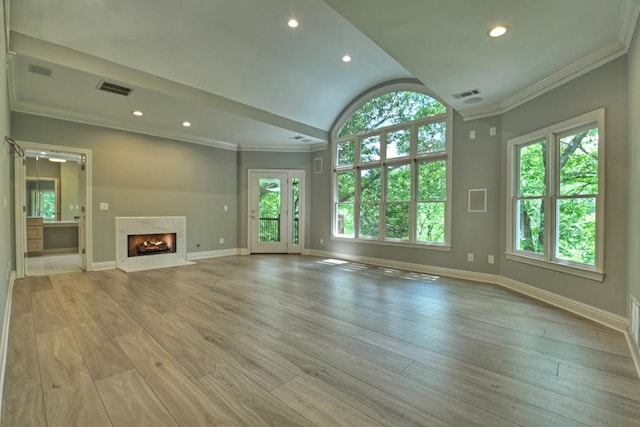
(413, 159)
(548, 259)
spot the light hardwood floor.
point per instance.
(295, 340)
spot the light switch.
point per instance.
(226, 208)
(472, 134)
(104, 206)
(492, 131)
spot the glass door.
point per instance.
(268, 213)
(276, 219)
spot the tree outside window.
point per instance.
(391, 175)
(557, 193)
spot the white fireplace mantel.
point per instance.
(126, 226)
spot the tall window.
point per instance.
(392, 171)
(557, 195)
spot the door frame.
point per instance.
(20, 177)
(291, 173)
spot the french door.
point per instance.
(275, 211)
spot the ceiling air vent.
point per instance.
(466, 94)
(36, 69)
(114, 88)
(297, 137)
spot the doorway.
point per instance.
(52, 216)
(276, 217)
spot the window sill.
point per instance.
(434, 247)
(585, 273)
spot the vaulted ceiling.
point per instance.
(246, 80)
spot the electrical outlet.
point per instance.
(492, 131)
(226, 208)
(321, 241)
(470, 257)
(222, 241)
(472, 134)
(491, 259)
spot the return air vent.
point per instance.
(43, 71)
(114, 88)
(466, 94)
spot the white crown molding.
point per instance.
(605, 54)
(59, 114)
(628, 20)
(312, 147)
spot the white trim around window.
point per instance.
(548, 257)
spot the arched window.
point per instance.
(392, 173)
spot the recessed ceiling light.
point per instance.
(293, 23)
(346, 58)
(498, 30)
(186, 124)
(137, 113)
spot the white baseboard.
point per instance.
(213, 254)
(635, 351)
(587, 311)
(4, 340)
(598, 315)
(99, 266)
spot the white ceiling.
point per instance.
(247, 81)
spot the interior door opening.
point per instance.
(51, 210)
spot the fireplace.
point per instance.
(143, 243)
(151, 244)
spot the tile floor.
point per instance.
(52, 264)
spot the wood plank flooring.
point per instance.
(296, 340)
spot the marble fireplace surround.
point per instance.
(126, 226)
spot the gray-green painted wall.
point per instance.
(605, 87)
(6, 183)
(141, 175)
(633, 229)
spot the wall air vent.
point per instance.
(466, 94)
(114, 88)
(43, 71)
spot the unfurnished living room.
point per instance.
(320, 212)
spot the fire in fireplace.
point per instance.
(151, 244)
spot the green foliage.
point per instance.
(533, 170)
(432, 181)
(430, 222)
(397, 221)
(398, 143)
(399, 183)
(432, 137)
(346, 153)
(369, 220)
(578, 167)
(370, 149)
(391, 109)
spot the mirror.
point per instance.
(52, 186)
